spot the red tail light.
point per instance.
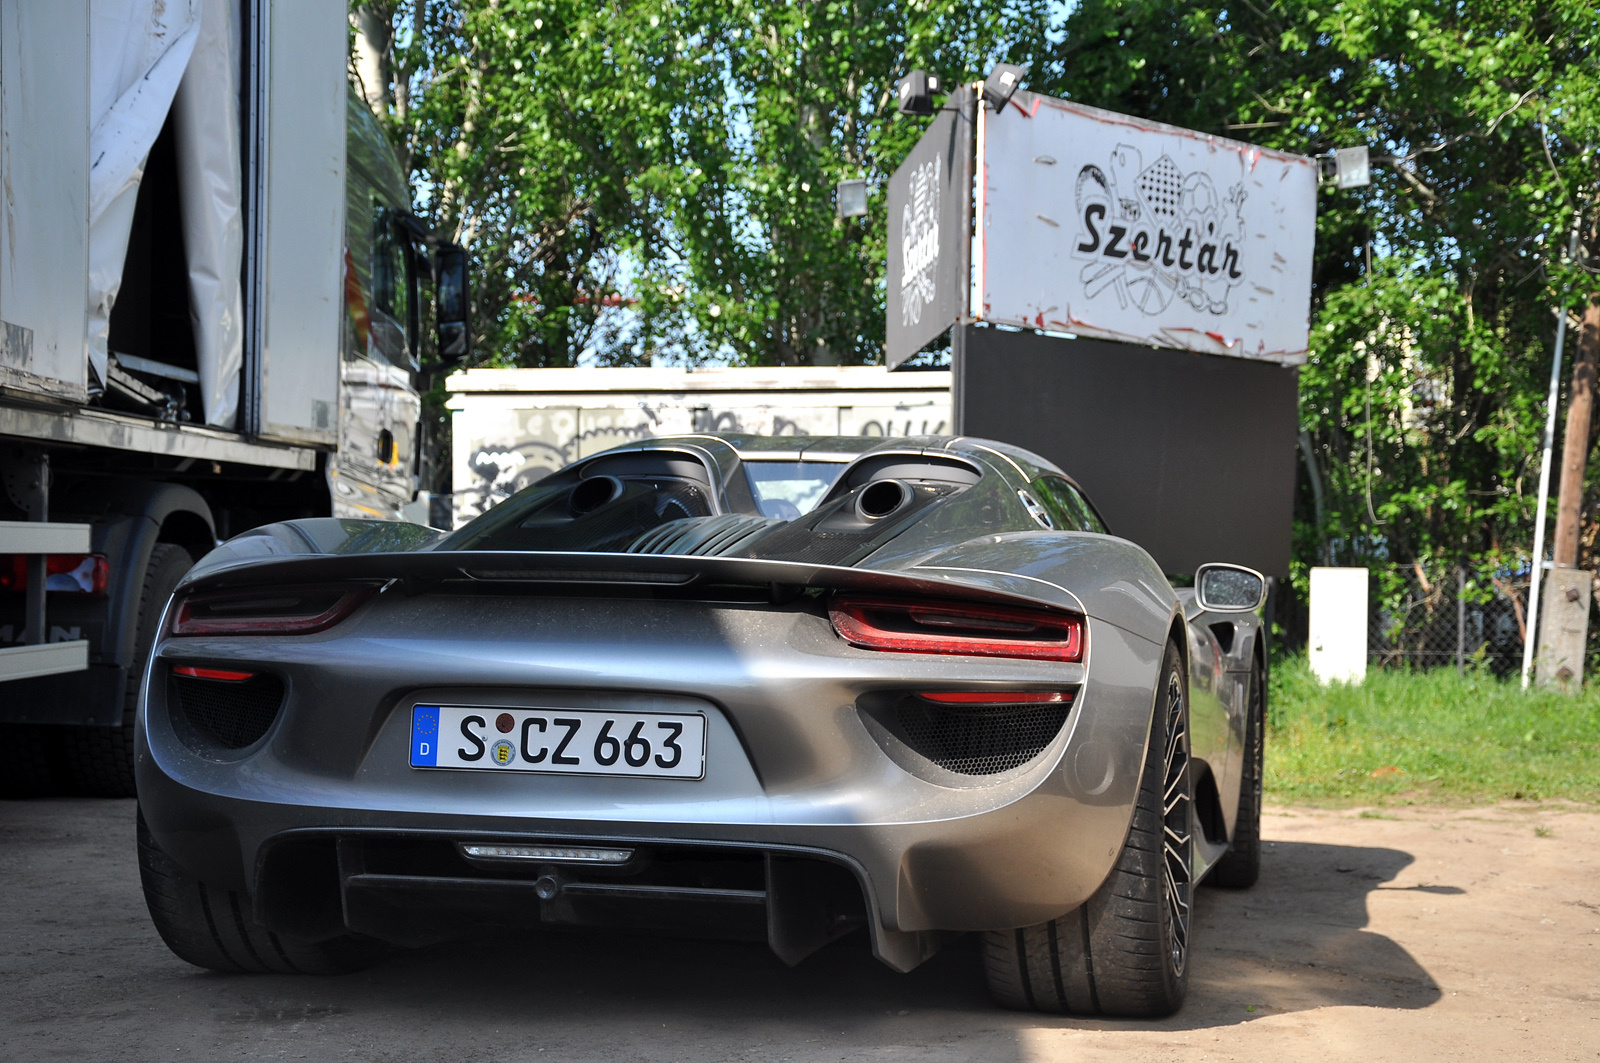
(999, 697)
(268, 611)
(213, 673)
(64, 573)
(957, 628)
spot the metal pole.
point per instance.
(36, 486)
(1461, 619)
(1532, 638)
(966, 98)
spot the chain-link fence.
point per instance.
(1424, 617)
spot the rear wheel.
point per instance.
(1240, 866)
(213, 928)
(1125, 952)
(100, 759)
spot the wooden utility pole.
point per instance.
(1564, 612)
(1575, 444)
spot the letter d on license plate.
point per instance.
(559, 741)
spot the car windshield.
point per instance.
(786, 489)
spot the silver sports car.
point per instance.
(770, 689)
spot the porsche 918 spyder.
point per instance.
(771, 689)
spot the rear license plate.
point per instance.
(559, 741)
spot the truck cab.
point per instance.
(373, 473)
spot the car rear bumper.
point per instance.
(796, 779)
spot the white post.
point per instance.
(1338, 628)
(1532, 639)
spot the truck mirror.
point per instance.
(453, 306)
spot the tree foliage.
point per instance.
(655, 179)
(1422, 403)
(643, 180)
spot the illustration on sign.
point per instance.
(1154, 234)
(919, 241)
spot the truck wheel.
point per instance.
(1240, 866)
(213, 928)
(1125, 952)
(29, 756)
(100, 759)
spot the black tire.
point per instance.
(213, 928)
(1240, 866)
(1125, 952)
(30, 760)
(99, 760)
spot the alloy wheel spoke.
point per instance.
(1177, 843)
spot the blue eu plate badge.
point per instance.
(425, 736)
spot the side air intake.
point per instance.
(216, 711)
(968, 733)
(980, 739)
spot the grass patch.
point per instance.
(1427, 736)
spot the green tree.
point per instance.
(656, 178)
(1433, 288)
(652, 179)
(808, 100)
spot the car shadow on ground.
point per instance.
(1298, 940)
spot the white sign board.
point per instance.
(925, 286)
(1102, 225)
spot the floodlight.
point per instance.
(914, 95)
(850, 198)
(1004, 80)
(1348, 167)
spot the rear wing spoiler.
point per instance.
(424, 571)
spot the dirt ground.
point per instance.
(1437, 934)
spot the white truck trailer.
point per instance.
(211, 297)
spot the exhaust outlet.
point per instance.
(882, 498)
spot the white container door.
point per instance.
(296, 395)
(44, 212)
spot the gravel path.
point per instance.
(1436, 934)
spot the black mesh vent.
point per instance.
(979, 739)
(225, 714)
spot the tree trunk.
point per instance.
(374, 25)
(1575, 443)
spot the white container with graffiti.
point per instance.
(512, 427)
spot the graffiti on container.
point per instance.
(503, 470)
(524, 446)
(909, 428)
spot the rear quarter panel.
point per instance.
(1130, 608)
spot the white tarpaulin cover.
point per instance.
(1102, 225)
(138, 50)
(210, 184)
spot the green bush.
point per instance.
(1437, 735)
